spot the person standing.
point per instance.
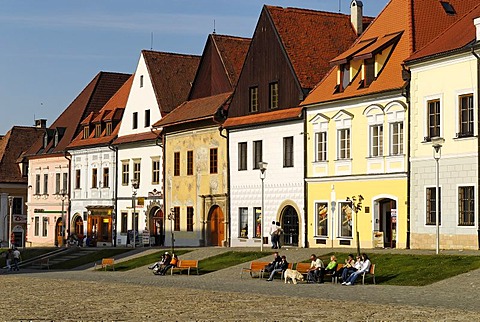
(8, 259)
(278, 234)
(273, 234)
(16, 259)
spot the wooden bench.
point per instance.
(108, 262)
(290, 265)
(371, 272)
(334, 276)
(303, 268)
(41, 263)
(186, 264)
(255, 267)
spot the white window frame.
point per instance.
(458, 112)
(426, 122)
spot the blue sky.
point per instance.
(51, 49)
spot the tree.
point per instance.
(356, 205)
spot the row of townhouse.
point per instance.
(339, 106)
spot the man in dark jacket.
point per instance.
(280, 267)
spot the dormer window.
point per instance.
(45, 140)
(369, 71)
(109, 128)
(344, 76)
(98, 130)
(56, 139)
(86, 132)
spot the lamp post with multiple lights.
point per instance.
(262, 166)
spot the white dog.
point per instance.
(293, 275)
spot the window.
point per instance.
(396, 138)
(86, 132)
(214, 160)
(346, 219)
(257, 222)
(288, 152)
(344, 144)
(44, 226)
(253, 99)
(37, 184)
(466, 206)
(431, 205)
(65, 182)
(135, 120)
(17, 206)
(136, 171)
(344, 76)
(141, 81)
(125, 173)
(147, 118)
(369, 65)
(176, 164)
(376, 140)
(37, 226)
(273, 88)
(243, 221)
(155, 171)
(109, 128)
(57, 183)
(124, 222)
(45, 140)
(106, 177)
(322, 218)
(242, 156)
(98, 130)
(94, 178)
(189, 218)
(45, 184)
(466, 115)
(433, 119)
(321, 145)
(77, 179)
(176, 212)
(257, 154)
(189, 163)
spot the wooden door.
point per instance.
(217, 229)
(59, 233)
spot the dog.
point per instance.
(294, 275)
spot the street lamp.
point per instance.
(171, 217)
(437, 154)
(64, 196)
(262, 166)
(134, 195)
(10, 205)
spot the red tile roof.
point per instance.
(311, 39)
(262, 118)
(459, 35)
(12, 147)
(92, 98)
(112, 110)
(194, 110)
(131, 138)
(419, 20)
(172, 76)
(232, 51)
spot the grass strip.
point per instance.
(146, 260)
(227, 259)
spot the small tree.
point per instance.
(356, 205)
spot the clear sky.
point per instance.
(51, 49)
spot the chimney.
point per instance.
(476, 22)
(356, 15)
(41, 123)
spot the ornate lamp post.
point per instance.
(134, 195)
(63, 196)
(437, 154)
(10, 205)
(262, 166)
(171, 217)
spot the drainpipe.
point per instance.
(478, 141)
(229, 228)
(406, 76)
(305, 186)
(67, 156)
(115, 198)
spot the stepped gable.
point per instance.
(112, 111)
(233, 51)
(172, 76)
(417, 21)
(12, 146)
(311, 38)
(92, 98)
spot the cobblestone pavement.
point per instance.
(138, 295)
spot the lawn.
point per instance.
(145, 260)
(415, 270)
(227, 259)
(27, 253)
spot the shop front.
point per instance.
(99, 226)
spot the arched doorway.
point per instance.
(216, 229)
(386, 221)
(290, 226)
(156, 226)
(59, 232)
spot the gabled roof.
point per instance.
(112, 110)
(461, 34)
(418, 20)
(92, 98)
(232, 51)
(12, 146)
(131, 138)
(287, 114)
(311, 38)
(194, 110)
(171, 76)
